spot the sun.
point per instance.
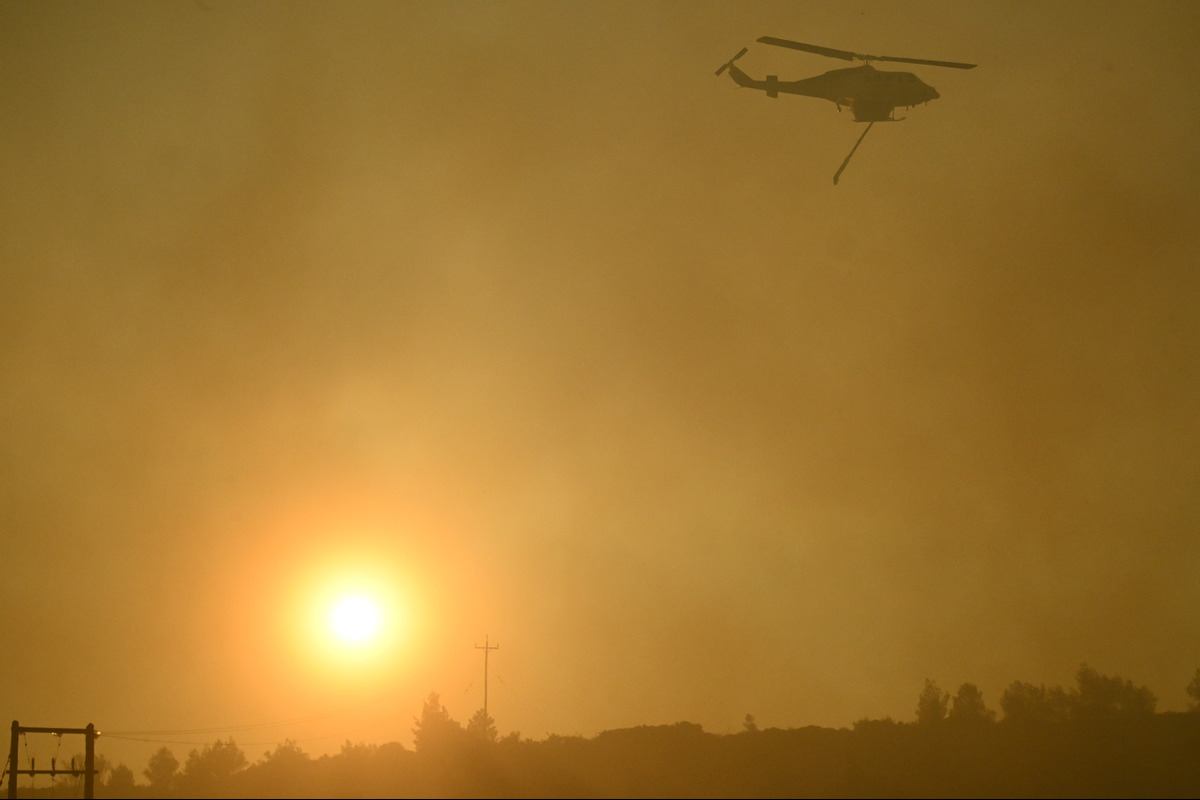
(350, 610)
(355, 618)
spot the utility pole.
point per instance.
(487, 648)
(89, 759)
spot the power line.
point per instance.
(193, 741)
(234, 728)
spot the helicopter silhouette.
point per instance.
(873, 95)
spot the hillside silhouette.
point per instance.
(1099, 738)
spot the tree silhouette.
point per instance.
(482, 726)
(285, 771)
(434, 730)
(931, 705)
(120, 782)
(1098, 696)
(286, 759)
(161, 770)
(1193, 690)
(215, 764)
(1026, 703)
(1095, 696)
(968, 706)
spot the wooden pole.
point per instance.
(487, 648)
(89, 762)
(12, 762)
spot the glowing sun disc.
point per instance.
(355, 619)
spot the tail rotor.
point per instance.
(727, 64)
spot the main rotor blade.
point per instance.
(952, 64)
(848, 56)
(811, 48)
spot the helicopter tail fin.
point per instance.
(739, 77)
(770, 85)
(744, 80)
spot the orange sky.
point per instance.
(516, 310)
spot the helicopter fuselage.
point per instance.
(872, 94)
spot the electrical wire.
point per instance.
(240, 744)
(223, 729)
(165, 736)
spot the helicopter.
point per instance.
(873, 95)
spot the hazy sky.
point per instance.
(517, 316)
